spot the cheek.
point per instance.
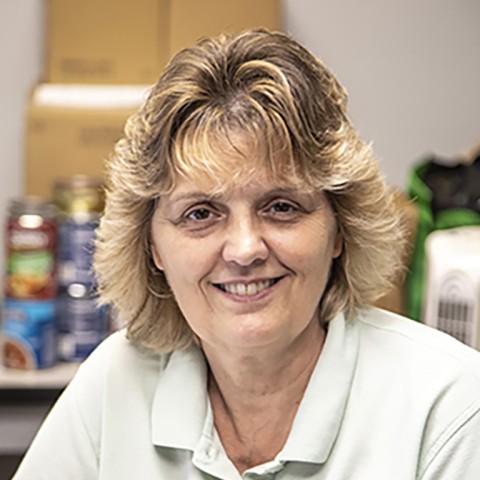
(313, 262)
(166, 247)
(185, 266)
(178, 269)
(309, 247)
(317, 268)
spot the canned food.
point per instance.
(31, 239)
(79, 195)
(29, 334)
(79, 200)
(82, 323)
(75, 252)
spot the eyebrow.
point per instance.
(202, 196)
(190, 196)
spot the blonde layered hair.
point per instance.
(276, 94)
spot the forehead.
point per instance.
(221, 164)
(260, 185)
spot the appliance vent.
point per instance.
(452, 288)
(456, 302)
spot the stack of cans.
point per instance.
(29, 306)
(82, 323)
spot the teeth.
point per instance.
(248, 289)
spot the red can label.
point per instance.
(31, 264)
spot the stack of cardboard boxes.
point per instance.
(112, 49)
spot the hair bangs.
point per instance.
(222, 148)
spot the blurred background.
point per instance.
(71, 72)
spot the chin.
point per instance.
(254, 336)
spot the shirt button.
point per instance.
(209, 452)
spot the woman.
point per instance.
(246, 235)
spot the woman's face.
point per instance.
(247, 266)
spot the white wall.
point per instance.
(21, 53)
(412, 69)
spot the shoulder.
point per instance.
(414, 342)
(423, 365)
(419, 373)
(120, 367)
(117, 365)
(118, 350)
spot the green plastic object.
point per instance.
(428, 221)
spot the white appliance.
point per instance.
(452, 290)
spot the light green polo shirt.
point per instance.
(388, 399)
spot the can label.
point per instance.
(29, 334)
(31, 266)
(82, 325)
(75, 252)
(79, 194)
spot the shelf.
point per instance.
(56, 377)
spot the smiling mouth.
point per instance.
(247, 289)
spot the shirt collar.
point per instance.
(180, 405)
(317, 422)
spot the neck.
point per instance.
(266, 372)
(255, 396)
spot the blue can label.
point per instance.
(29, 334)
(75, 252)
(83, 324)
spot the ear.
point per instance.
(156, 259)
(337, 245)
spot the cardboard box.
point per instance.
(130, 41)
(67, 135)
(190, 20)
(107, 41)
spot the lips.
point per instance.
(246, 289)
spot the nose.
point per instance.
(244, 243)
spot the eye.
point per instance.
(282, 207)
(283, 210)
(199, 214)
